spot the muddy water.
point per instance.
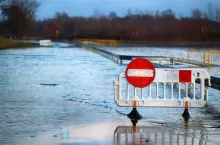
(42, 89)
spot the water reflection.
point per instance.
(160, 135)
(143, 134)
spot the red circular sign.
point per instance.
(140, 72)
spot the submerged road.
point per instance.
(171, 61)
(42, 89)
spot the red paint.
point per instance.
(140, 82)
(185, 76)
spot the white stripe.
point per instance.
(140, 72)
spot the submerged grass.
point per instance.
(6, 43)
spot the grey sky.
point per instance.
(88, 7)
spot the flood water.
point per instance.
(42, 89)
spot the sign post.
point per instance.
(140, 73)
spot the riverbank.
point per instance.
(6, 43)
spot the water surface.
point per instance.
(46, 88)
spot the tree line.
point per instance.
(19, 17)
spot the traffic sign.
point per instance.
(140, 72)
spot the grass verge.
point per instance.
(6, 43)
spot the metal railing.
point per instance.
(101, 42)
(165, 91)
(209, 57)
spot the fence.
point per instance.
(101, 42)
(208, 57)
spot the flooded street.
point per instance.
(45, 89)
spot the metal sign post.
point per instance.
(140, 73)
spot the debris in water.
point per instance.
(70, 100)
(49, 84)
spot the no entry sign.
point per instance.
(140, 72)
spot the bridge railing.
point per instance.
(209, 57)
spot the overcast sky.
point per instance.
(88, 7)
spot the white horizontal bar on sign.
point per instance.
(140, 72)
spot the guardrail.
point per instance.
(209, 57)
(120, 58)
(168, 90)
(101, 42)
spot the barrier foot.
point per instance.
(134, 122)
(134, 115)
(186, 115)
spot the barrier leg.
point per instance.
(172, 62)
(186, 114)
(134, 115)
(134, 122)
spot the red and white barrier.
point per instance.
(171, 81)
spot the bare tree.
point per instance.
(97, 14)
(60, 20)
(157, 14)
(129, 12)
(210, 12)
(29, 6)
(168, 13)
(2, 3)
(217, 15)
(180, 16)
(138, 12)
(61, 16)
(204, 15)
(18, 13)
(112, 15)
(196, 14)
